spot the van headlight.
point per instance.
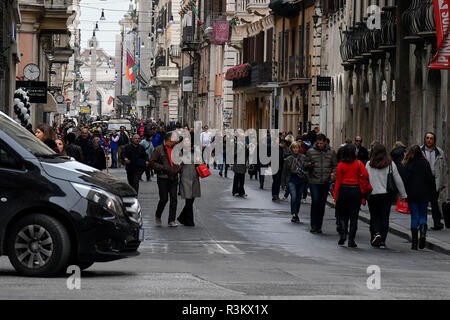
(103, 198)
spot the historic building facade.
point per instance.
(389, 92)
(9, 52)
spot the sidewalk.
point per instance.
(400, 225)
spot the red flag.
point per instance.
(110, 100)
(441, 13)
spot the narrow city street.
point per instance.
(245, 249)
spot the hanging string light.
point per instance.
(102, 17)
(96, 27)
(93, 34)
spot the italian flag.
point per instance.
(131, 68)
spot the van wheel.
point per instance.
(39, 246)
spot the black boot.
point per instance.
(423, 235)
(415, 238)
(342, 238)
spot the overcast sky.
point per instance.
(108, 28)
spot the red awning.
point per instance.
(238, 72)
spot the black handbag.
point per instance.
(391, 187)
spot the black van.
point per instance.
(56, 212)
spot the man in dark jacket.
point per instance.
(72, 149)
(124, 140)
(312, 135)
(99, 159)
(322, 163)
(363, 154)
(85, 143)
(136, 159)
(276, 178)
(167, 177)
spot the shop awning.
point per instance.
(238, 72)
(286, 8)
(51, 105)
(126, 100)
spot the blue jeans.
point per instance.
(114, 158)
(418, 213)
(319, 193)
(296, 192)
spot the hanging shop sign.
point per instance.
(323, 83)
(441, 12)
(188, 83)
(85, 110)
(221, 31)
(36, 90)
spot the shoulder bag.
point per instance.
(364, 183)
(391, 187)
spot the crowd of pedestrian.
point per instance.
(352, 176)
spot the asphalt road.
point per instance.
(245, 249)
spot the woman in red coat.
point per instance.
(347, 195)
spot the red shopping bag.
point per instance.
(402, 206)
(203, 171)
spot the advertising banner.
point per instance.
(221, 30)
(441, 13)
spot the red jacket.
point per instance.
(348, 173)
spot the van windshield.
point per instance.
(23, 137)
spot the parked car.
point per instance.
(56, 212)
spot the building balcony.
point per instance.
(62, 55)
(189, 39)
(261, 73)
(167, 74)
(285, 9)
(257, 5)
(419, 20)
(259, 76)
(360, 43)
(57, 4)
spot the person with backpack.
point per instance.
(382, 173)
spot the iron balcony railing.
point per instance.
(419, 17)
(360, 42)
(57, 4)
(257, 4)
(261, 73)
